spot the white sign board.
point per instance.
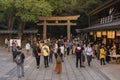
(16, 41)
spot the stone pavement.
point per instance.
(69, 70)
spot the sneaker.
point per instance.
(82, 66)
(47, 65)
(37, 67)
(22, 75)
(19, 76)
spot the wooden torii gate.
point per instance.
(57, 23)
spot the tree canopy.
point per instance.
(24, 11)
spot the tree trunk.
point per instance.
(20, 29)
(10, 23)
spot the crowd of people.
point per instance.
(58, 49)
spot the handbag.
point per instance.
(38, 53)
(58, 59)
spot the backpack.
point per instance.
(18, 59)
(46, 49)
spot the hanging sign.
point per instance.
(98, 34)
(117, 33)
(104, 33)
(111, 34)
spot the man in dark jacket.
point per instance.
(19, 59)
(78, 55)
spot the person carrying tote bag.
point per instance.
(58, 68)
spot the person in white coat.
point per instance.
(27, 47)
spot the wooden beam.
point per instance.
(59, 24)
(59, 18)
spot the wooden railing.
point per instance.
(107, 19)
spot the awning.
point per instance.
(102, 27)
(15, 31)
(30, 31)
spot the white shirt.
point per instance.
(55, 48)
(89, 51)
(62, 49)
(27, 47)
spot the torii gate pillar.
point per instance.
(44, 30)
(68, 29)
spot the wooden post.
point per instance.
(44, 30)
(68, 29)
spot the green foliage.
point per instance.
(71, 7)
(29, 10)
(26, 10)
(7, 9)
(60, 5)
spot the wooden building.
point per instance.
(104, 23)
(13, 34)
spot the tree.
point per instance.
(71, 7)
(29, 10)
(8, 12)
(60, 5)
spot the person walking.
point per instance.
(83, 54)
(78, 52)
(62, 49)
(8, 45)
(67, 45)
(19, 59)
(27, 47)
(102, 55)
(89, 54)
(45, 52)
(51, 54)
(14, 50)
(55, 48)
(6, 42)
(58, 67)
(107, 54)
(37, 54)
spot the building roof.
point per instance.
(107, 4)
(102, 27)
